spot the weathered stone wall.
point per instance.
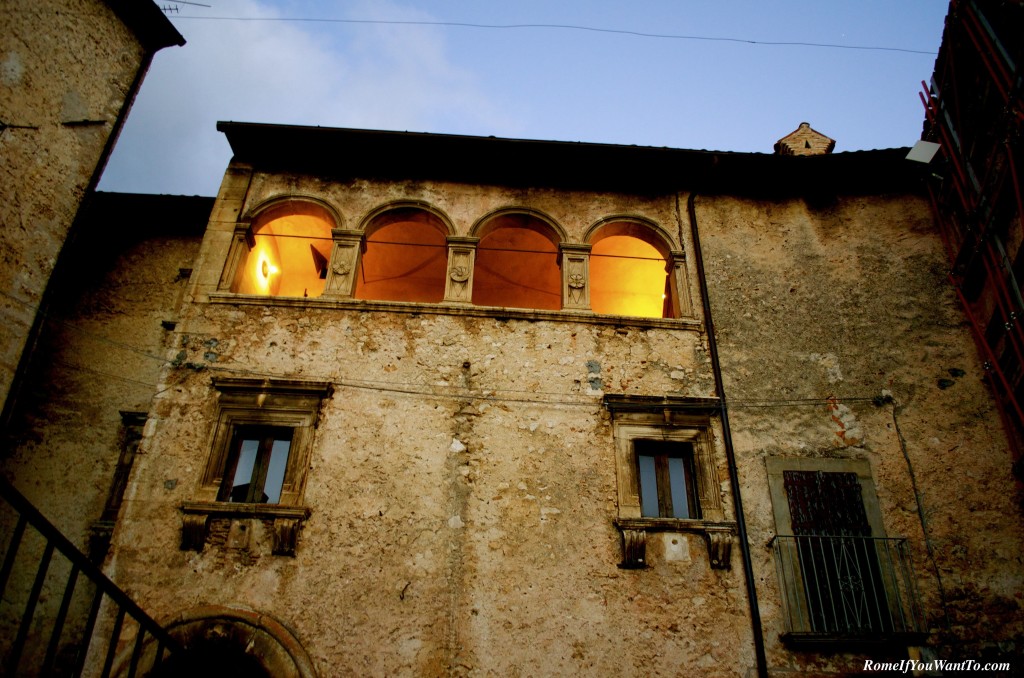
(100, 353)
(66, 70)
(847, 300)
(462, 478)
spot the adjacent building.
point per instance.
(69, 73)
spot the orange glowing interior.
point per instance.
(628, 277)
(517, 267)
(289, 258)
(403, 261)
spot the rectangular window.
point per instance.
(255, 468)
(666, 479)
(258, 458)
(841, 578)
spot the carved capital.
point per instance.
(344, 259)
(575, 276)
(461, 259)
(679, 280)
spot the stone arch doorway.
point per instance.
(227, 642)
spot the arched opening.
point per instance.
(405, 258)
(289, 248)
(517, 265)
(629, 273)
(212, 657)
(217, 641)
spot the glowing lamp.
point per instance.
(268, 269)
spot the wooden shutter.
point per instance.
(823, 503)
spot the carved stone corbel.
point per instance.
(344, 260)
(286, 536)
(719, 547)
(634, 549)
(193, 531)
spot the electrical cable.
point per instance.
(558, 398)
(440, 247)
(571, 27)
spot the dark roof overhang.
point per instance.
(149, 24)
(145, 215)
(342, 153)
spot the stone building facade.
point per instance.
(69, 72)
(533, 408)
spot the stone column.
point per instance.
(682, 306)
(458, 287)
(575, 276)
(341, 274)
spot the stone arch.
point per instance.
(418, 210)
(529, 217)
(517, 260)
(638, 227)
(630, 268)
(249, 642)
(404, 253)
(294, 203)
(288, 246)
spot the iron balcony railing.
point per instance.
(841, 589)
(94, 621)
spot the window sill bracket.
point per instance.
(287, 522)
(718, 535)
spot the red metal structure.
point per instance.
(975, 111)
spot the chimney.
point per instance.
(804, 141)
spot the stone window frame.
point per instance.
(670, 418)
(792, 588)
(244, 402)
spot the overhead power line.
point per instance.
(568, 27)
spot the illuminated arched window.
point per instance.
(405, 257)
(289, 247)
(629, 272)
(517, 264)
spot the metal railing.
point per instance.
(847, 588)
(46, 646)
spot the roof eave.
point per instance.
(376, 154)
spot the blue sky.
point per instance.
(533, 83)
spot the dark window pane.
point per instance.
(648, 486)
(677, 478)
(275, 471)
(247, 452)
(666, 479)
(255, 471)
